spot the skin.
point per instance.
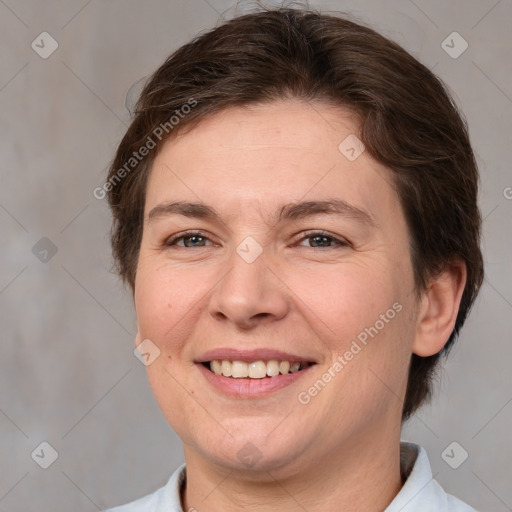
(340, 451)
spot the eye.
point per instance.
(317, 240)
(323, 239)
(188, 239)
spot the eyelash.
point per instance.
(171, 242)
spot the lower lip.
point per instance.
(251, 388)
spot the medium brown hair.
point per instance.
(408, 122)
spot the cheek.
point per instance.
(341, 302)
(165, 301)
(152, 302)
(364, 320)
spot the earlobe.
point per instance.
(137, 338)
(438, 310)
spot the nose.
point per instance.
(250, 293)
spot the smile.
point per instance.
(254, 370)
(255, 373)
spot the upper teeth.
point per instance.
(255, 370)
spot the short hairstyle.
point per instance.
(408, 122)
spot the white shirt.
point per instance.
(420, 493)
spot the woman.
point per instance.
(295, 212)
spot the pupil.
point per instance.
(321, 239)
(192, 239)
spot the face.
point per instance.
(266, 242)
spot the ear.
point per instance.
(438, 310)
(137, 338)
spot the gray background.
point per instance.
(68, 375)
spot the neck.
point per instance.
(362, 477)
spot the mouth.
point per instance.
(253, 373)
(260, 369)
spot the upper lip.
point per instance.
(248, 356)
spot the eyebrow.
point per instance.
(291, 211)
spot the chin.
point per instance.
(255, 453)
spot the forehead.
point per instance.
(248, 158)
